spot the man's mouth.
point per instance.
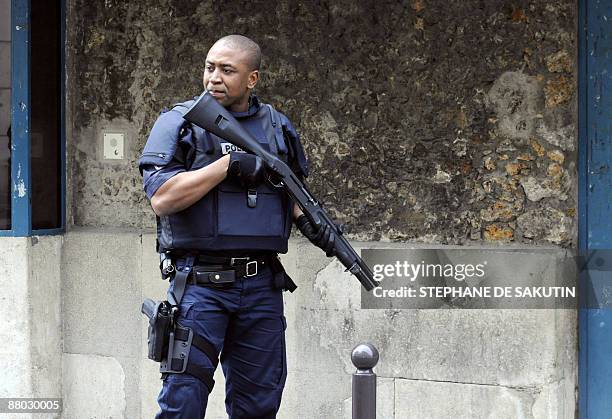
(216, 93)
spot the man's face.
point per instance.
(228, 77)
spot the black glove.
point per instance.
(247, 169)
(323, 237)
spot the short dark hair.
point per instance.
(247, 45)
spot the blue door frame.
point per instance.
(21, 208)
(595, 197)
(21, 202)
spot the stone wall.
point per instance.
(424, 120)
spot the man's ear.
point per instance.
(253, 79)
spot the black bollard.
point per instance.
(364, 357)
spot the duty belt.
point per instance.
(208, 270)
(219, 270)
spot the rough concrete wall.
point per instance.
(44, 309)
(434, 363)
(30, 306)
(101, 297)
(14, 278)
(424, 120)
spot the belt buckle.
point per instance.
(233, 261)
(248, 268)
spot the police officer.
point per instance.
(221, 226)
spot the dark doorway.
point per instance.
(45, 116)
(5, 114)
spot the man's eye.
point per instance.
(227, 71)
(210, 68)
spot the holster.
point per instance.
(168, 342)
(160, 325)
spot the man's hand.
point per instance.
(323, 238)
(247, 169)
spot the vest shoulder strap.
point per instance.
(278, 131)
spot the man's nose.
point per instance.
(215, 77)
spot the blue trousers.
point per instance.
(246, 325)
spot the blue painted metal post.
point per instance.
(595, 196)
(364, 357)
(20, 118)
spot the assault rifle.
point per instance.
(208, 114)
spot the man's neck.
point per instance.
(241, 107)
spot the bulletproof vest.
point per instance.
(223, 218)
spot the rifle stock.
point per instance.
(208, 114)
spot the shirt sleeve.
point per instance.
(155, 176)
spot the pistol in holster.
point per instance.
(169, 343)
(161, 322)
